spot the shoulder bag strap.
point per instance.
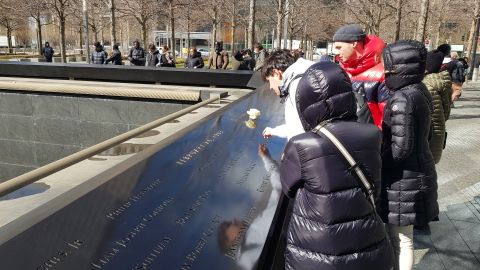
(363, 181)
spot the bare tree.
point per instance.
(9, 18)
(113, 34)
(214, 11)
(422, 20)
(281, 13)
(251, 24)
(38, 10)
(370, 13)
(143, 11)
(61, 9)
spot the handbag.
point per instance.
(367, 188)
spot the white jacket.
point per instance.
(293, 126)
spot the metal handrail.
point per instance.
(39, 173)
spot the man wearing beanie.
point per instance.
(360, 56)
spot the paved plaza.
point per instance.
(454, 241)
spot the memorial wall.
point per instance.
(38, 129)
(206, 201)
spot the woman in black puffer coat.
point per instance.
(409, 180)
(333, 226)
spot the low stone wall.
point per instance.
(40, 128)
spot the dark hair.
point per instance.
(258, 46)
(152, 47)
(115, 47)
(445, 49)
(238, 56)
(97, 44)
(194, 49)
(247, 52)
(279, 59)
(165, 48)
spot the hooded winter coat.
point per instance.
(409, 179)
(333, 226)
(440, 87)
(366, 74)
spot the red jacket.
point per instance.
(368, 80)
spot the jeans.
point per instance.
(401, 238)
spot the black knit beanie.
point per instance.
(349, 33)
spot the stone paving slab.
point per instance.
(454, 241)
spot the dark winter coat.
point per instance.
(115, 58)
(409, 180)
(152, 59)
(136, 56)
(440, 87)
(166, 59)
(48, 53)
(194, 62)
(333, 226)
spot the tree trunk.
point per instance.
(188, 28)
(143, 26)
(472, 28)
(279, 23)
(63, 50)
(80, 33)
(285, 24)
(172, 27)
(9, 39)
(398, 20)
(214, 27)
(251, 25)
(95, 33)
(39, 34)
(232, 29)
(113, 34)
(422, 21)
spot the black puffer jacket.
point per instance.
(409, 192)
(333, 226)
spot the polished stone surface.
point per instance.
(170, 211)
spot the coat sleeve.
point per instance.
(130, 55)
(200, 63)
(290, 170)
(401, 127)
(225, 60)
(446, 96)
(210, 60)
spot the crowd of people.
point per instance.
(364, 134)
(219, 58)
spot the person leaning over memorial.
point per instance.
(333, 224)
(115, 57)
(194, 59)
(98, 56)
(136, 55)
(409, 180)
(153, 56)
(248, 59)
(360, 56)
(48, 52)
(218, 58)
(283, 72)
(439, 85)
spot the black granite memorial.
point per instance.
(210, 200)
